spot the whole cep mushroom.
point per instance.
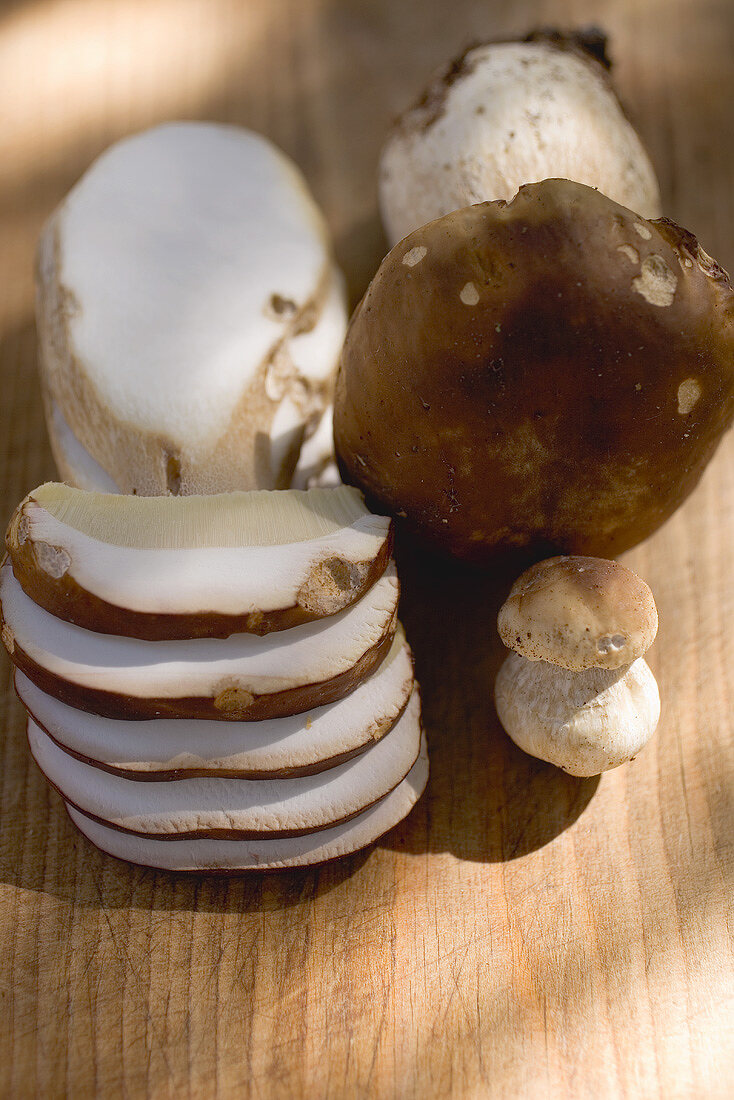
(508, 113)
(549, 375)
(576, 691)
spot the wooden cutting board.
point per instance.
(523, 933)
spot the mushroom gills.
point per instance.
(269, 854)
(243, 677)
(189, 567)
(173, 749)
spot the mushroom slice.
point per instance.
(269, 854)
(167, 749)
(243, 677)
(234, 808)
(196, 567)
(190, 314)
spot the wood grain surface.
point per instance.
(523, 933)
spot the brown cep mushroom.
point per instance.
(577, 692)
(549, 374)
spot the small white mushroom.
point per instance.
(577, 692)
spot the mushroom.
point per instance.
(190, 315)
(263, 854)
(508, 113)
(549, 374)
(195, 567)
(577, 691)
(239, 678)
(233, 809)
(278, 748)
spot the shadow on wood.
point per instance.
(486, 800)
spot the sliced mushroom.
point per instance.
(190, 314)
(172, 749)
(233, 809)
(268, 854)
(243, 677)
(195, 567)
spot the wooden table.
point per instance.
(522, 934)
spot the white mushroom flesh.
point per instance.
(221, 855)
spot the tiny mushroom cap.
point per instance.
(579, 613)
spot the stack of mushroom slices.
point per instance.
(215, 683)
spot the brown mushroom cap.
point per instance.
(579, 613)
(551, 374)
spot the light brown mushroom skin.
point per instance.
(551, 374)
(580, 613)
(335, 585)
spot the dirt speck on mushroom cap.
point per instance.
(545, 416)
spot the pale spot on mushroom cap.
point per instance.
(469, 294)
(689, 392)
(656, 282)
(631, 253)
(610, 644)
(642, 230)
(414, 255)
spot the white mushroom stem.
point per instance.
(73, 461)
(508, 114)
(583, 722)
(190, 313)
